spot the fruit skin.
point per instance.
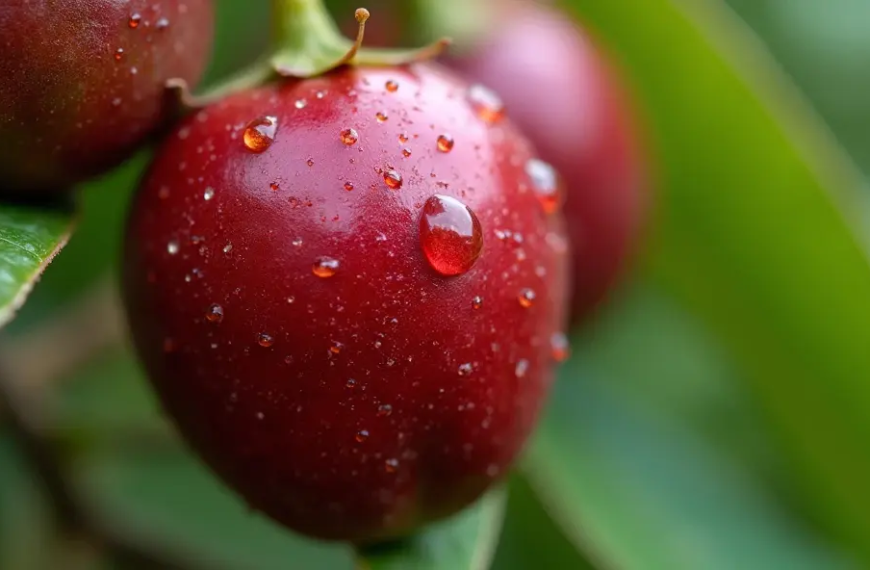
(68, 108)
(283, 423)
(561, 91)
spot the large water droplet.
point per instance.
(265, 340)
(487, 105)
(134, 21)
(445, 143)
(526, 298)
(325, 267)
(450, 235)
(349, 136)
(391, 86)
(559, 347)
(260, 133)
(215, 313)
(545, 182)
(381, 116)
(348, 186)
(393, 179)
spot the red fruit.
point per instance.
(83, 82)
(559, 89)
(353, 324)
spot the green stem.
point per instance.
(301, 24)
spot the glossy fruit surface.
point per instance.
(560, 90)
(83, 82)
(353, 324)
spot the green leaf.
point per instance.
(756, 231)
(638, 484)
(465, 541)
(26, 525)
(162, 499)
(30, 237)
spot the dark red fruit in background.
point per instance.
(83, 82)
(280, 277)
(558, 87)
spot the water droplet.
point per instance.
(172, 247)
(297, 242)
(260, 134)
(134, 20)
(403, 138)
(545, 182)
(362, 435)
(310, 162)
(526, 298)
(406, 152)
(274, 186)
(559, 347)
(348, 186)
(351, 383)
(265, 340)
(208, 194)
(521, 368)
(487, 105)
(445, 143)
(215, 313)
(336, 347)
(300, 103)
(477, 302)
(325, 267)
(465, 369)
(384, 410)
(228, 248)
(391, 86)
(119, 54)
(391, 465)
(161, 24)
(320, 94)
(393, 179)
(381, 116)
(349, 136)
(450, 235)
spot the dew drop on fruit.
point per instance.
(265, 340)
(486, 104)
(310, 162)
(477, 302)
(297, 242)
(384, 410)
(336, 347)
(559, 347)
(215, 313)
(134, 21)
(403, 138)
(172, 247)
(465, 369)
(300, 103)
(351, 383)
(362, 435)
(274, 186)
(391, 86)
(391, 465)
(450, 235)
(119, 54)
(521, 368)
(260, 134)
(393, 179)
(228, 248)
(545, 182)
(208, 194)
(161, 24)
(526, 298)
(348, 186)
(445, 143)
(381, 116)
(406, 152)
(349, 136)
(325, 267)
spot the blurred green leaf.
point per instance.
(635, 483)
(30, 237)
(26, 525)
(530, 538)
(755, 231)
(163, 500)
(465, 541)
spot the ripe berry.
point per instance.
(356, 339)
(560, 90)
(83, 82)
